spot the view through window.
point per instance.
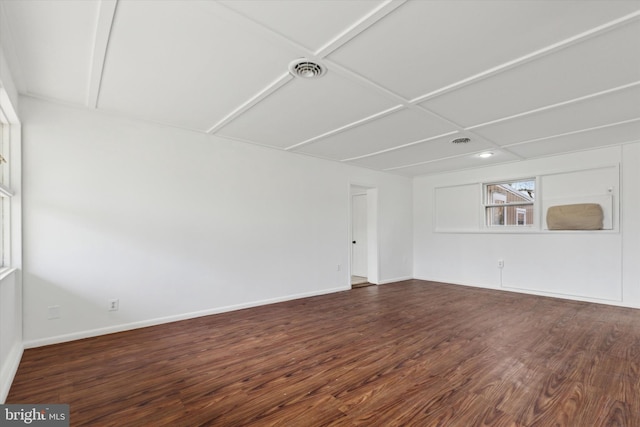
(510, 203)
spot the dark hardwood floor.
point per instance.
(413, 353)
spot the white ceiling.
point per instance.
(522, 79)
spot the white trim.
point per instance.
(371, 190)
(396, 279)
(530, 56)
(251, 102)
(556, 105)
(575, 132)
(505, 288)
(361, 25)
(175, 318)
(5, 191)
(346, 127)
(14, 77)
(246, 23)
(7, 112)
(6, 272)
(409, 144)
(106, 15)
(9, 370)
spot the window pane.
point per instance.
(517, 197)
(510, 215)
(511, 192)
(495, 216)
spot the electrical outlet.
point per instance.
(114, 304)
(53, 312)
(500, 263)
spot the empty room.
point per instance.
(320, 213)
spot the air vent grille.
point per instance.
(306, 69)
(461, 140)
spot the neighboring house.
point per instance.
(520, 200)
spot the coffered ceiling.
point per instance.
(520, 79)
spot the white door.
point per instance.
(359, 235)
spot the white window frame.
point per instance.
(5, 194)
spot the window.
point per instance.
(5, 193)
(9, 180)
(509, 203)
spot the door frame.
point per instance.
(373, 271)
(359, 235)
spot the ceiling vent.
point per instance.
(461, 140)
(306, 69)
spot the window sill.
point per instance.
(6, 271)
(525, 231)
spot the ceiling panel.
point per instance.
(425, 45)
(309, 23)
(606, 109)
(303, 109)
(175, 62)
(53, 41)
(623, 133)
(456, 163)
(581, 69)
(402, 127)
(220, 67)
(425, 151)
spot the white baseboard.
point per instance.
(168, 319)
(9, 369)
(396, 279)
(535, 292)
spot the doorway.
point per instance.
(359, 265)
(363, 244)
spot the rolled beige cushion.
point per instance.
(582, 216)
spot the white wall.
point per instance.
(630, 218)
(598, 266)
(6, 80)
(178, 224)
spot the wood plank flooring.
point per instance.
(413, 353)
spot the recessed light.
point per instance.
(485, 155)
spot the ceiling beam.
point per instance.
(556, 105)
(263, 94)
(104, 23)
(10, 53)
(575, 132)
(346, 127)
(261, 30)
(359, 26)
(531, 56)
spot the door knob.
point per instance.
(354, 242)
